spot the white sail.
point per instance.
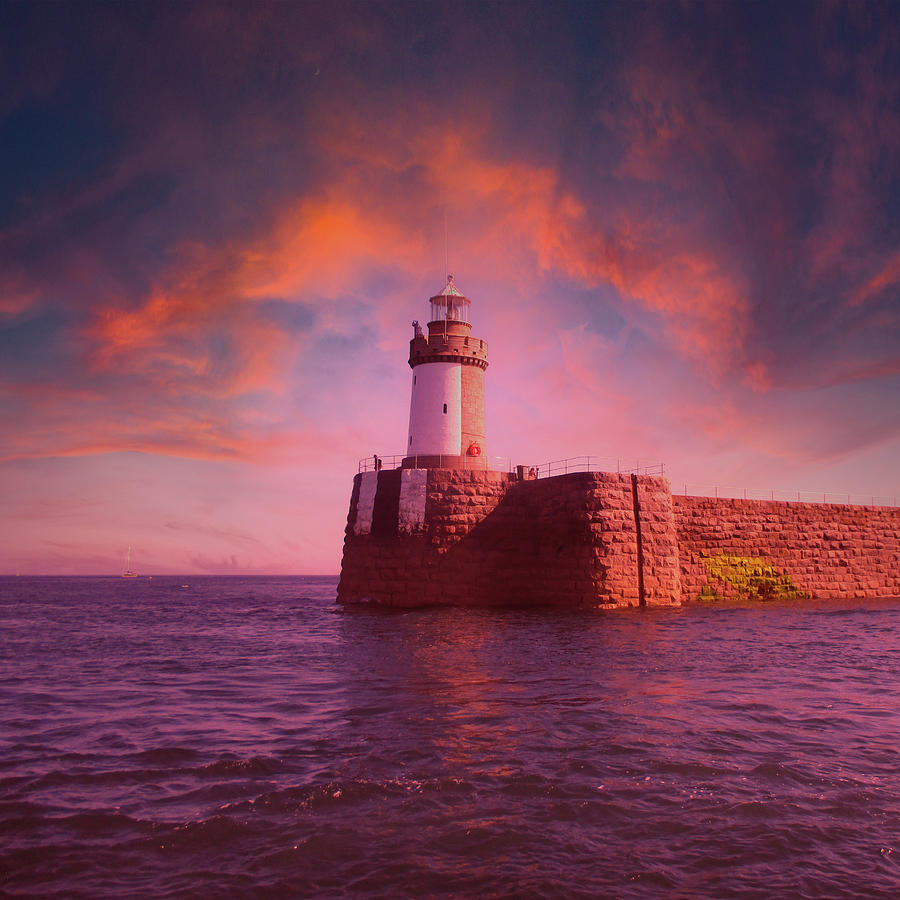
(126, 572)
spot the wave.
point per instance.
(165, 756)
(234, 766)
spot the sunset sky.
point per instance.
(678, 225)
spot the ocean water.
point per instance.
(228, 737)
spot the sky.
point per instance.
(678, 225)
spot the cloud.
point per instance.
(886, 279)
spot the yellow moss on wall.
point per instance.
(746, 578)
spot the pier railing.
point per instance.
(597, 464)
(730, 492)
(505, 464)
(628, 467)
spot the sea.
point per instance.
(247, 737)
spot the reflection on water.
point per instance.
(245, 736)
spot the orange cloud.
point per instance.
(888, 276)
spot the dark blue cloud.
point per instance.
(50, 147)
(291, 317)
(36, 347)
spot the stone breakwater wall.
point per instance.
(419, 537)
(832, 551)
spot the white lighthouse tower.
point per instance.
(446, 413)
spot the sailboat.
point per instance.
(126, 572)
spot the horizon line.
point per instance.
(165, 575)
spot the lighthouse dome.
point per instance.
(450, 305)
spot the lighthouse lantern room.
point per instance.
(446, 414)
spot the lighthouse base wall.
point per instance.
(488, 539)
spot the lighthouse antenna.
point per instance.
(446, 254)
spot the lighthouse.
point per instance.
(446, 411)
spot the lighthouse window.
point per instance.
(414, 379)
(445, 409)
(467, 342)
(410, 440)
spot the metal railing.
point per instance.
(597, 464)
(730, 492)
(436, 460)
(628, 467)
(504, 464)
(371, 463)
